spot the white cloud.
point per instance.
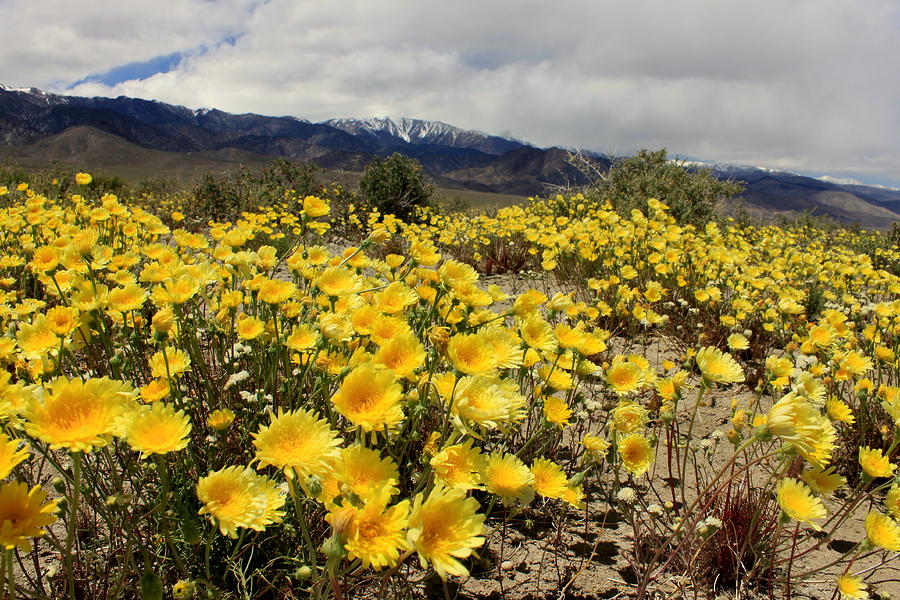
(797, 84)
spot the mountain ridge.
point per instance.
(452, 156)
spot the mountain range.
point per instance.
(35, 126)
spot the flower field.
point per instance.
(313, 400)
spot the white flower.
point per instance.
(236, 379)
(626, 494)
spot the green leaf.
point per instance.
(151, 586)
(189, 528)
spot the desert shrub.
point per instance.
(225, 197)
(690, 191)
(395, 185)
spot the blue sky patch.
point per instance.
(134, 70)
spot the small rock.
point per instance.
(507, 565)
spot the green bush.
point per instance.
(690, 192)
(223, 198)
(395, 186)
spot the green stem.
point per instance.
(237, 545)
(73, 517)
(12, 579)
(301, 518)
(6, 556)
(209, 542)
(163, 468)
(687, 443)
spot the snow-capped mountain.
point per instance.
(420, 132)
(37, 125)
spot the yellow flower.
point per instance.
(823, 482)
(629, 417)
(402, 354)
(569, 337)
(83, 178)
(63, 320)
(882, 531)
(396, 297)
(528, 302)
(365, 473)
(471, 354)
(338, 281)
(624, 377)
(23, 514)
(456, 274)
(10, 455)
(128, 298)
(892, 501)
(36, 340)
(574, 496)
(797, 422)
(313, 207)
(596, 446)
(669, 387)
(370, 398)
(79, 415)
(249, 328)
(556, 378)
(445, 527)
(378, 235)
(504, 344)
(557, 411)
(489, 402)
(169, 362)
(549, 479)
(220, 419)
(298, 442)
(718, 367)
(302, 337)
(184, 589)
(737, 341)
(874, 463)
(276, 291)
(593, 343)
(797, 501)
(854, 363)
(237, 497)
(385, 328)
(509, 478)
(851, 588)
(636, 454)
(45, 258)
(891, 402)
(157, 429)
(839, 411)
(376, 534)
(537, 333)
(459, 466)
(176, 291)
(155, 390)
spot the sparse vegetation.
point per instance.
(270, 389)
(395, 186)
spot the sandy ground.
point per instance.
(536, 554)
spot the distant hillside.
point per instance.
(780, 191)
(130, 136)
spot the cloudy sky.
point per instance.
(806, 85)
